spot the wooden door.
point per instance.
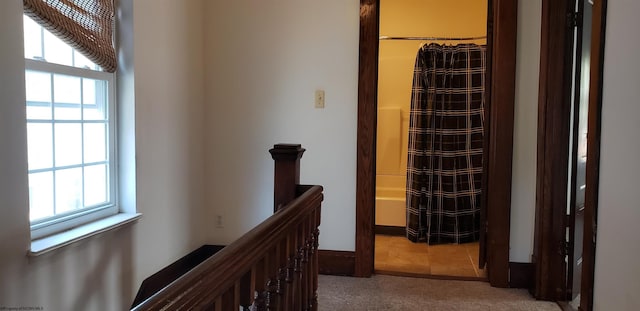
(551, 266)
(578, 153)
(482, 253)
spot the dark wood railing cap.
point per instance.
(287, 151)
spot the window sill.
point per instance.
(56, 241)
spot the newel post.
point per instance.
(287, 173)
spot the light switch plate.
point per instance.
(319, 99)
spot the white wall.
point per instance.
(14, 223)
(617, 275)
(103, 273)
(525, 135)
(264, 59)
(169, 134)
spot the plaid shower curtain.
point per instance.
(444, 170)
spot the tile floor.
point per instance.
(396, 254)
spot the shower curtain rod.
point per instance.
(431, 38)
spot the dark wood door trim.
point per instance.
(366, 152)
(499, 115)
(593, 153)
(554, 110)
(500, 137)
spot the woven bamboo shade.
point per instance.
(86, 25)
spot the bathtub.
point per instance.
(391, 165)
(390, 206)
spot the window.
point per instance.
(70, 134)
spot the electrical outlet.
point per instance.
(219, 223)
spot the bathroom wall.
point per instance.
(409, 18)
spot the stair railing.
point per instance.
(272, 267)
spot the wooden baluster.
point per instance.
(269, 294)
(298, 269)
(310, 264)
(316, 266)
(287, 173)
(291, 263)
(305, 265)
(252, 287)
(236, 295)
(265, 282)
(282, 261)
(294, 260)
(283, 286)
(246, 290)
(271, 268)
(259, 284)
(314, 263)
(275, 275)
(309, 279)
(227, 300)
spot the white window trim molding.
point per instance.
(59, 240)
(125, 148)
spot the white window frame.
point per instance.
(67, 221)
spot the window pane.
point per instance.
(81, 61)
(38, 86)
(38, 94)
(66, 91)
(68, 146)
(56, 51)
(40, 195)
(32, 39)
(40, 148)
(95, 185)
(89, 92)
(94, 96)
(68, 190)
(38, 111)
(95, 142)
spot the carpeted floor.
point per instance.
(382, 292)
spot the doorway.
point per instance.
(567, 192)
(411, 30)
(501, 45)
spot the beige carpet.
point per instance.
(382, 292)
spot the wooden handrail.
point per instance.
(272, 267)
